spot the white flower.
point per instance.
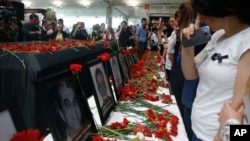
(157, 139)
(169, 125)
(140, 135)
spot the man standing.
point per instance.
(31, 30)
(124, 33)
(142, 34)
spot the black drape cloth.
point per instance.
(17, 79)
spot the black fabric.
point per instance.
(124, 37)
(81, 35)
(27, 27)
(17, 79)
(97, 35)
(64, 34)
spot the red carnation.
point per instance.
(75, 68)
(27, 135)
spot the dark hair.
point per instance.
(33, 16)
(44, 22)
(223, 8)
(176, 15)
(143, 19)
(125, 22)
(186, 14)
(60, 20)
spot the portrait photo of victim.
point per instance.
(102, 87)
(124, 67)
(67, 110)
(116, 72)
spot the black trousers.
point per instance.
(142, 47)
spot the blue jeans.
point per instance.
(195, 138)
(187, 122)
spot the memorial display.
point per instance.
(116, 74)
(124, 66)
(24, 63)
(102, 90)
(137, 86)
(66, 108)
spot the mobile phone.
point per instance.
(160, 19)
(201, 36)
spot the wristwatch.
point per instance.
(225, 129)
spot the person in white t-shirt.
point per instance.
(228, 116)
(222, 67)
(153, 39)
(166, 61)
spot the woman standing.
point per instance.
(222, 67)
(59, 34)
(79, 32)
(183, 17)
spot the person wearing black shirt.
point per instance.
(32, 31)
(79, 32)
(97, 33)
(124, 34)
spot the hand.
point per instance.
(39, 32)
(123, 26)
(227, 112)
(78, 26)
(189, 31)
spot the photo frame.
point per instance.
(130, 61)
(11, 119)
(103, 93)
(116, 74)
(65, 107)
(135, 55)
(124, 66)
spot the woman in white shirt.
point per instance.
(153, 39)
(222, 67)
(228, 116)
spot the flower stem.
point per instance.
(116, 133)
(21, 60)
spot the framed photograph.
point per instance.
(65, 106)
(116, 74)
(130, 61)
(135, 56)
(103, 94)
(124, 66)
(11, 119)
